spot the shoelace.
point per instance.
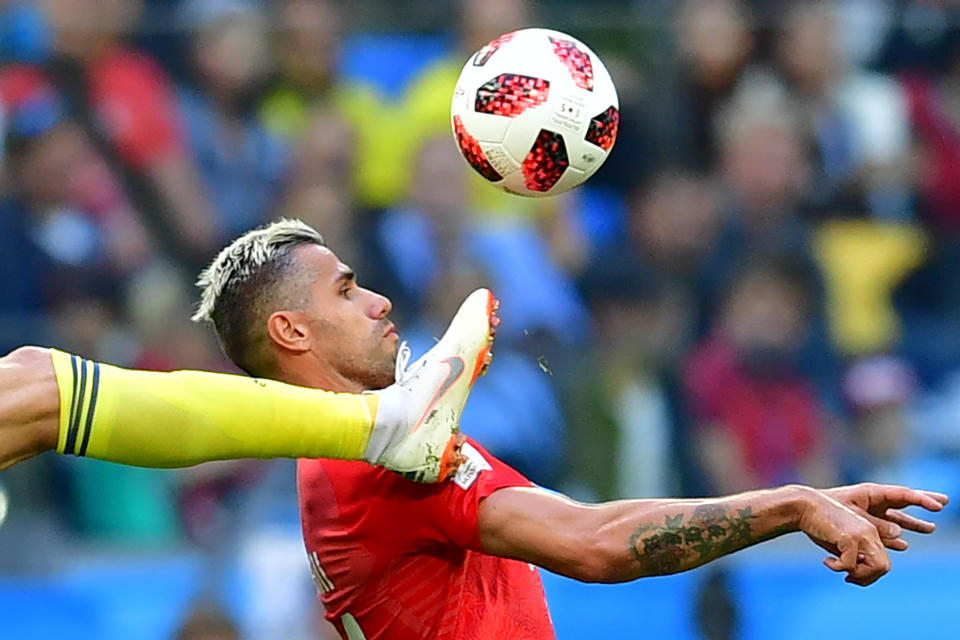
(403, 357)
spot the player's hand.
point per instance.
(847, 535)
(881, 504)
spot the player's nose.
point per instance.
(380, 306)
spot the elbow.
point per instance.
(599, 572)
(596, 560)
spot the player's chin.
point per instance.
(390, 344)
(383, 372)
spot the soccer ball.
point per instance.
(535, 112)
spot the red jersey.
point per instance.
(131, 96)
(776, 421)
(397, 560)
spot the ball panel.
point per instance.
(499, 158)
(571, 178)
(482, 56)
(546, 161)
(472, 152)
(515, 183)
(570, 112)
(603, 128)
(576, 60)
(511, 94)
(585, 157)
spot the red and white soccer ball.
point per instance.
(535, 112)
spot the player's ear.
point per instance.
(288, 331)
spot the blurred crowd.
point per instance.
(756, 289)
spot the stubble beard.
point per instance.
(377, 370)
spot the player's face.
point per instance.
(350, 331)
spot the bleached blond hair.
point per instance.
(246, 256)
(248, 281)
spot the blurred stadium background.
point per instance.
(759, 287)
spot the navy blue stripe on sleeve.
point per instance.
(95, 386)
(74, 424)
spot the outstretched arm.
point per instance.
(629, 539)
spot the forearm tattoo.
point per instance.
(684, 541)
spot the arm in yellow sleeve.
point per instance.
(183, 418)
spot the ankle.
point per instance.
(389, 419)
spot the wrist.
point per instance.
(798, 501)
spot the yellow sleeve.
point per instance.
(182, 418)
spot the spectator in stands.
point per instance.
(672, 233)
(305, 45)
(318, 189)
(127, 106)
(645, 295)
(307, 104)
(878, 390)
(241, 166)
(764, 172)
(764, 168)
(758, 420)
(935, 114)
(625, 433)
(65, 202)
(24, 292)
(858, 120)
(714, 42)
(765, 176)
(916, 37)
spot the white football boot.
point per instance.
(416, 432)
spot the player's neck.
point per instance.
(308, 372)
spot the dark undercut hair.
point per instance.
(250, 279)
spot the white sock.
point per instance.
(391, 421)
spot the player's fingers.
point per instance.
(836, 564)
(848, 553)
(864, 575)
(929, 500)
(865, 578)
(858, 580)
(895, 544)
(885, 528)
(876, 562)
(938, 497)
(858, 576)
(899, 497)
(908, 522)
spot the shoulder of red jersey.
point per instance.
(474, 464)
(478, 461)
